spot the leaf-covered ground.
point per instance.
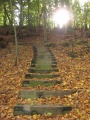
(74, 72)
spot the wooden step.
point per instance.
(39, 82)
(54, 62)
(43, 94)
(53, 65)
(34, 62)
(33, 70)
(41, 109)
(31, 75)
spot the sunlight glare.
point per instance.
(61, 17)
(81, 1)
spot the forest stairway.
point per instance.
(42, 72)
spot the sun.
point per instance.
(61, 17)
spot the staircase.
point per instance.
(42, 72)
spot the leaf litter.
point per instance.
(75, 74)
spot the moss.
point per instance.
(36, 83)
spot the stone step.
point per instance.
(52, 66)
(32, 70)
(33, 61)
(54, 59)
(39, 82)
(41, 109)
(34, 49)
(53, 62)
(25, 94)
(32, 75)
(35, 58)
(48, 55)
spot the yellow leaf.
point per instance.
(49, 114)
(35, 116)
(78, 111)
(86, 101)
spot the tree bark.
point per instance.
(29, 17)
(44, 15)
(38, 19)
(85, 21)
(20, 23)
(15, 33)
(6, 15)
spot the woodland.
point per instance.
(24, 23)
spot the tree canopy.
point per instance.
(30, 12)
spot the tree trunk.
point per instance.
(6, 15)
(20, 23)
(85, 21)
(29, 17)
(38, 19)
(11, 17)
(44, 15)
(15, 32)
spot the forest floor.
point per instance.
(74, 72)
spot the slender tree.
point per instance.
(15, 32)
(38, 18)
(85, 20)
(20, 22)
(45, 21)
(4, 17)
(29, 16)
